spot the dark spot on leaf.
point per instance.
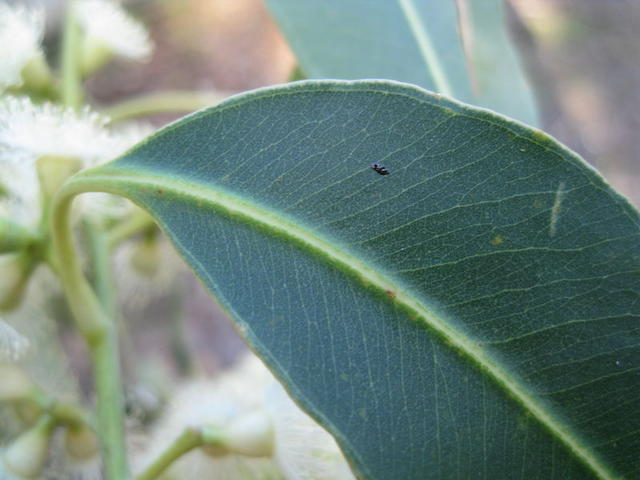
(380, 169)
(160, 191)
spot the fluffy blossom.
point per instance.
(44, 360)
(106, 22)
(302, 450)
(217, 403)
(21, 32)
(146, 271)
(29, 132)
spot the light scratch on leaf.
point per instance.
(555, 210)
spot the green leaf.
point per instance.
(472, 314)
(458, 48)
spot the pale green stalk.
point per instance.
(71, 72)
(134, 224)
(162, 102)
(99, 332)
(189, 439)
(99, 251)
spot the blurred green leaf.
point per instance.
(459, 48)
(472, 314)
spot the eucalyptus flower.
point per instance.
(215, 404)
(303, 449)
(75, 455)
(29, 131)
(41, 145)
(21, 32)
(261, 430)
(27, 455)
(59, 138)
(110, 31)
(43, 359)
(146, 270)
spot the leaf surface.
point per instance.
(458, 48)
(471, 314)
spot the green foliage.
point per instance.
(457, 48)
(472, 314)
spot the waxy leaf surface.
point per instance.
(471, 314)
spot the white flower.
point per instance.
(29, 132)
(21, 32)
(45, 366)
(107, 23)
(45, 361)
(239, 403)
(303, 449)
(146, 270)
(104, 206)
(214, 403)
(6, 474)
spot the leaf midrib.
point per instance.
(102, 179)
(427, 51)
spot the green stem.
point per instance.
(71, 415)
(71, 74)
(14, 236)
(108, 384)
(179, 347)
(101, 267)
(64, 413)
(163, 102)
(100, 247)
(187, 441)
(136, 223)
(99, 333)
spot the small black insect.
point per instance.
(380, 169)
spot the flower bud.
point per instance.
(53, 170)
(16, 269)
(251, 435)
(15, 384)
(28, 453)
(81, 443)
(13, 236)
(94, 55)
(27, 412)
(214, 441)
(36, 74)
(146, 255)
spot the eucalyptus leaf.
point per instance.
(459, 48)
(471, 314)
